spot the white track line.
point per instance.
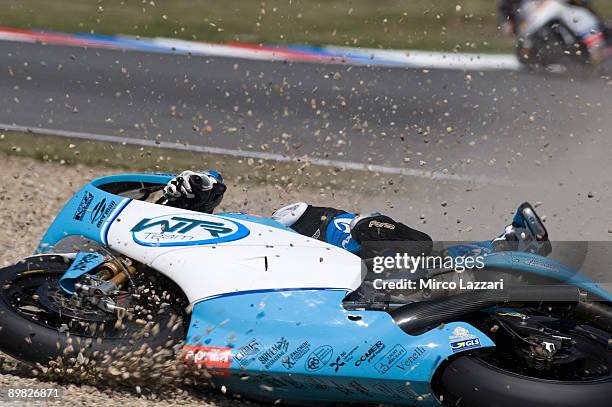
(348, 165)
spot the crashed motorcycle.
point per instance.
(557, 33)
(279, 316)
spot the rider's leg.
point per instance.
(366, 235)
(381, 235)
(526, 224)
(525, 233)
(330, 225)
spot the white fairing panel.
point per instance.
(537, 14)
(580, 20)
(209, 255)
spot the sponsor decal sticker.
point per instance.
(460, 333)
(462, 339)
(298, 353)
(187, 230)
(385, 363)
(317, 234)
(542, 264)
(337, 364)
(244, 354)
(343, 359)
(412, 359)
(84, 261)
(100, 212)
(371, 353)
(271, 355)
(83, 206)
(377, 224)
(346, 242)
(458, 346)
(319, 358)
(343, 224)
(209, 356)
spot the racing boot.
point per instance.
(526, 233)
(379, 235)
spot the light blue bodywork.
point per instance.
(302, 344)
(542, 266)
(83, 263)
(79, 216)
(276, 339)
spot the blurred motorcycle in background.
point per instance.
(556, 34)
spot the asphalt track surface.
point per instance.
(547, 135)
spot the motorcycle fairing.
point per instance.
(581, 21)
(534, 264)
(212, 255)
(88, 213)
(256, 219)
(304, 345)
(536, 14)
(199, 251)
(83, 263)
(171, 230)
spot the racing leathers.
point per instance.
(365, 235)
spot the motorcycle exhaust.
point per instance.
(598, 313)
(414, 318)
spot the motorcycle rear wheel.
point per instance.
(551, 47)
(477, 380)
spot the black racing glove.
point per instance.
(190, 190)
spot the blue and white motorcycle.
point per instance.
(558, 32)
(275, 315)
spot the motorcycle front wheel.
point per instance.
(40, 323)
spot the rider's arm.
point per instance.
(196, 191)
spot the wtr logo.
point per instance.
(176, 230)
(182, 226)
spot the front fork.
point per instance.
(105, 288)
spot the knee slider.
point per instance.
(290, 214)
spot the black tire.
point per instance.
(550, 47)
(469, 381)
(36, 341)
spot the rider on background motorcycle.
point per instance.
(508, 11)
(553, 33)
(366, 235)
